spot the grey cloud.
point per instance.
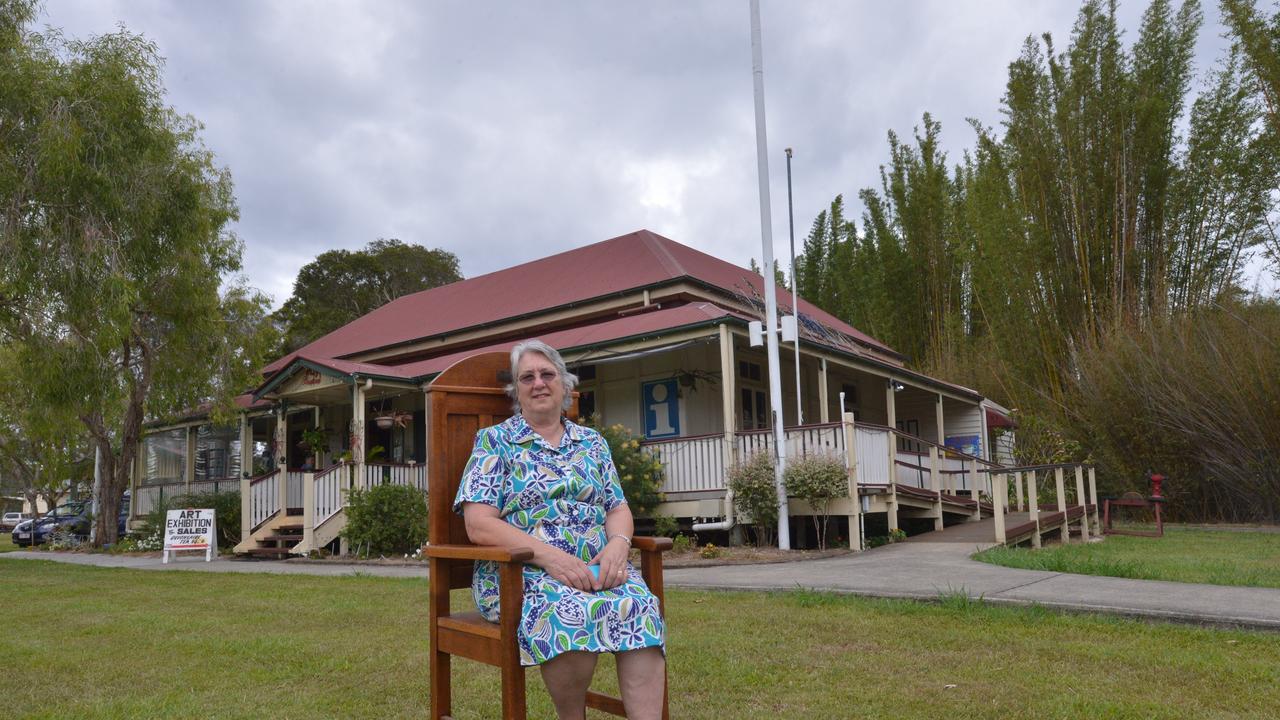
(505, 131)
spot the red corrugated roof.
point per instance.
(623, 263)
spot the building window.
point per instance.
(586, 404)
(755, 410)
(911, 427)
(217, 453)
(749, 370)
(850, 398)
(165, 455)
(585, 373)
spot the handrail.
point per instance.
(1028, 468)
(255, 480)
(916, 438)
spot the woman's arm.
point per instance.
(486, 527)
(618, 524)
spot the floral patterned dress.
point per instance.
(558, 495)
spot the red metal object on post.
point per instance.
(1155, 502)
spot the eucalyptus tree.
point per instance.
(118, 301)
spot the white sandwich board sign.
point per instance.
(190, 530)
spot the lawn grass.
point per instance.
(6, 543)
(1192, 555)
(110, 643)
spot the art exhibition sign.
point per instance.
(190, 530)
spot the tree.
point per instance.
(340, 286)
(118, 300)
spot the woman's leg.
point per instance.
(568, 675)
(642, 678)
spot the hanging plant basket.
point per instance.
(393, 419)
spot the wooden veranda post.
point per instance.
(1033, 507)
(1083, 502)
(1093, 496)
(999, 491)
(728, 393)
(246, 474)
(975, 483)
(1060, 487)
(282, 455)
(851, 466)
(936, 486)
(1017, 489)
(891, 420)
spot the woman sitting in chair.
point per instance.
(539, 480)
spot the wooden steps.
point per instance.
(277, 545)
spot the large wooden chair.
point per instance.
(461, 400)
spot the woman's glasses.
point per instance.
(546, 376)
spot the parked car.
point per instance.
(74, 516)
(11, 520)
(36, 532)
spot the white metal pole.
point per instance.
(770, 291)
(95, 499)
(795, 292)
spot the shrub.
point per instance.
(386, 519)
(709, 552)
(64, 539)
(817, 480)
(682, 543)
(639, 472)
(665, 526)
(226, 513)
(755, 494)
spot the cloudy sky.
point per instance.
(507, 131)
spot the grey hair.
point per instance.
(568, 379)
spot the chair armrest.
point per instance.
(479, 552)
(651, 544)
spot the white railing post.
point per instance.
(1017, 489)
(1065, 535)
(998, 492)
(309, 509)
(851, 469)
(974, 489)
(1033, 507)
(892, 512)
(935, 486)
(1093, 494)
(1083, 502)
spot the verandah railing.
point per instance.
(148, 498)
(414, 476)
(697, 463)
(331, 490)
(264, 497)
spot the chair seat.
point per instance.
(471, 636)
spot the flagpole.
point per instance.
(770, 291)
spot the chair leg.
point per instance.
(513, 697)
(441, 692)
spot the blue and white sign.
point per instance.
(661, 408)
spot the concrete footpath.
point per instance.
(916, 570)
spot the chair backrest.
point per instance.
(466, 397)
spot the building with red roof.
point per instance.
(657, 333)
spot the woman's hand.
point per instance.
(613, 563)
(566, 568)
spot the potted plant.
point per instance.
(315, 440)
